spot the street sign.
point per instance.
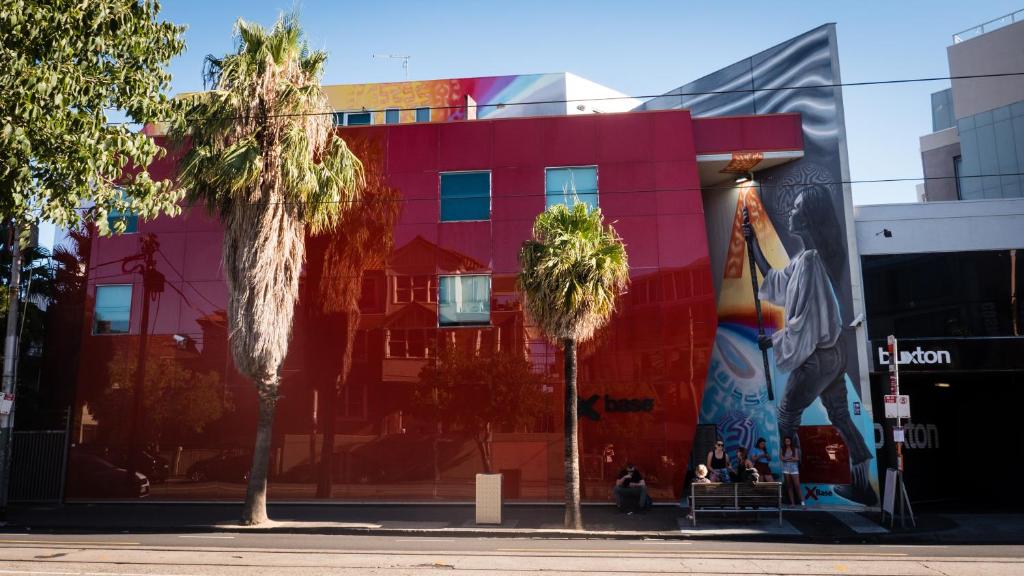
(6, 403)
(897, 406)
(897, 435)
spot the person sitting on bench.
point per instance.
(629, 485)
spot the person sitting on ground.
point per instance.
(630, 484)
(748, 473)
(701, 477)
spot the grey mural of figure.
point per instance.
(810, 345)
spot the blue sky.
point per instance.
(638, 48)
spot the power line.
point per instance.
(671, 94)
(726, 186)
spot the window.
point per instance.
(353, 118)
(391, 116)
(419, 288)
(113, 309)
(559, 184)
(465, 196)
(423, 114)
(131, 221)
(464, 300)
(956, 174)
(409, 343)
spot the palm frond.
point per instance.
(572, 271)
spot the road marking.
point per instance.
(209, 537)
(424, 539)
(667, 542)
(911, 546)
(71, 542)
(708, 552)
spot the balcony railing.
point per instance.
(989, 26)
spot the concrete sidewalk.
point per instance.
(665, 522)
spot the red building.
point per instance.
(412, 365)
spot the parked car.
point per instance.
(153, 467)
(90, 476)
(224, 467)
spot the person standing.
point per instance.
(810, 347)
(791, 471)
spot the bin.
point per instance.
(488, 499)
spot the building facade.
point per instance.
(946, 279)
(412, 365)
(976, 148)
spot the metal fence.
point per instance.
(37, 466)
(994, 24)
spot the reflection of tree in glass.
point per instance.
(479, 394)
(178, 403)
(336, 263)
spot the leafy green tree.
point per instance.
(64, 65)
(573, 271)
(265, 157)
(476, 394)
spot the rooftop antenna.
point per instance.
(402, 57)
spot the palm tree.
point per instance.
(265, 157)
(573, 270)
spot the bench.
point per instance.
(736, 497)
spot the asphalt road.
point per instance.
(291, 554)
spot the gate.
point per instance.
(38, 460)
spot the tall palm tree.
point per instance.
(573, 270)
(265, 157)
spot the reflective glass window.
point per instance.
(560, 185)
(391, 116)
(464, 300)
(423, 114)
(465, 196)
(113, 309)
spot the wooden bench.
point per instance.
(736, 497)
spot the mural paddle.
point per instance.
(757, 306)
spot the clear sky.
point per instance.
(639, 48)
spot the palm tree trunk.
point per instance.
(573, 519)
(255, 509)
(484, 438)
(325, 478)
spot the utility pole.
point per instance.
(152, 283)
(10, 365)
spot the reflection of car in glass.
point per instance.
(153, 467)
(92, 476)
(224, 467)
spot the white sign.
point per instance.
(897, 435)
(897, 406)
(917, 356)
(6, 403)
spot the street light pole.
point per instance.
(10, 364)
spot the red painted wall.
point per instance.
(401, 430)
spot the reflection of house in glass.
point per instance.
(412, 365)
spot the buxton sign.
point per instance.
(998, 354)
(916, 356)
